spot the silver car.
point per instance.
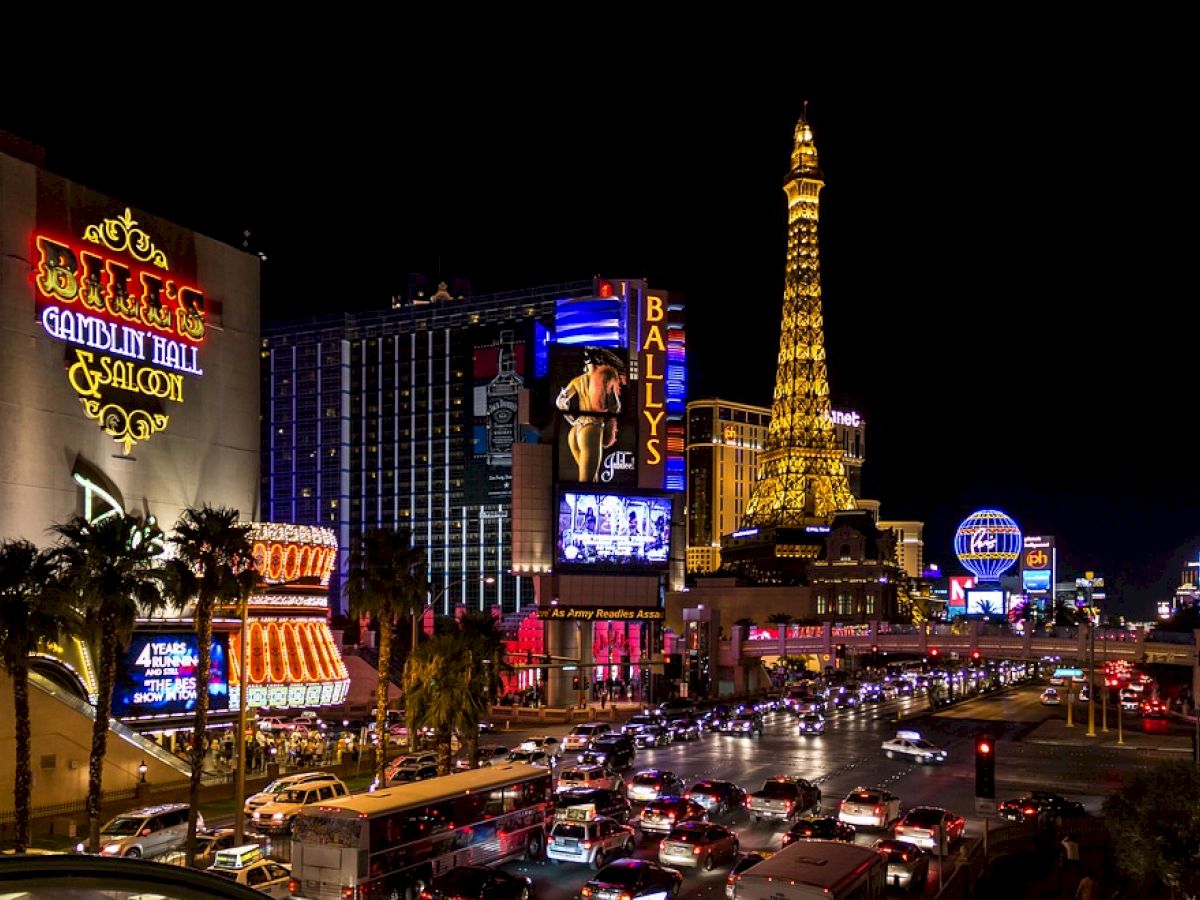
(698, 844)
(147, 832)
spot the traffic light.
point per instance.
(975, 655)
(985, 767)
(933, 651)
(874, 649)
(839, 651)
(575, 682)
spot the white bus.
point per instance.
(389, 844)
(814, 870)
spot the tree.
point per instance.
(781, 618)
(31, 614)
(1155, 820)
(213, 564)
(110, 571)
(443, 688)
(386, 579)
(481, 630)
(745, 622)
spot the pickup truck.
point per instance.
(784, 798)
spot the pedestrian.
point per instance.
(1088, 889)
(1069, 863)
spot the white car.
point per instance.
(279, 785)
(551, 745)
(912, 745)
(246, 865)
(588, 776)
(581, 735)
(873, 807)
(579, 835)
(1050, 697)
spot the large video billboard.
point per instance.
(597, 428)
(157, 676)
(612, 531)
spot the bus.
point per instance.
(814, 870)
(389, 844)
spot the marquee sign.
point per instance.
(602, 613)
(132, 331)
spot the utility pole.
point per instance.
(239, 788)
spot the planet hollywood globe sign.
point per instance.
(987, 544)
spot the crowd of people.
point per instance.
(289, 749)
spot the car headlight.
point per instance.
(278, 817)
(112, 848)
(257, 815)
(79, 848)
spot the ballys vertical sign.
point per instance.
(132, 331)
(653, 392)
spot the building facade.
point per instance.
(724, 440)
(910, 546)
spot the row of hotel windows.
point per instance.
(846, 605)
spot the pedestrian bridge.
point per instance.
(1068, 643)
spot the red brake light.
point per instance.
(587, 845)
(696, 850)
(878, 810)
(625, 897)
(348, 893)
(293, 886)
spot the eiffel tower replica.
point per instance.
(803, 479)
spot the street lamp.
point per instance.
(482, 579)
(142, 772)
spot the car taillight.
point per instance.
(933, 832)
(586, 892)
(670, 817)
(878, 810)
(587, 845)
(293, 886)
(696, 850)
(788, 804)
(842, 804)
(746, 802)
(625, 897)
(657, 786)
(1029, 811)
(349, 893)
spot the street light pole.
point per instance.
(239, 789)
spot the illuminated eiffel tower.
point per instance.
(803, 475)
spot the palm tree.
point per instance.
(444, 689)
(109, 569)
(212, 563)
(386, 579)
(481, 630)
(31, 614)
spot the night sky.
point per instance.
(1003, 272)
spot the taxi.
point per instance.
(580, 835)
(912, 745)
(246, 865)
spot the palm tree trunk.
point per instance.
(384, 676)
(444, 737)
(105, 678)
(204, 614)
(412, 654)
(23, 787)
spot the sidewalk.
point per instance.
(1056, 731)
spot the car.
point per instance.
(1057, 680)
(581, 735)
(1131, 700)
(632, 879)
(579, 835)
(210, 842)
(684, 728)
(409, 774)
(247, 865)
(719, 798)
(409, 760)
(484, 756)
(1051, 697)
(822, 828)
(873, 807)
(531, 758)
(930, 827)
(652, 784)
(478, 883)
(651, 736)
(871, 693)
(912, 745)
(614, 750)
(904, 688)
(1154, 708)
(551, 745)
(908, 864)
(699, 844)
(1038, 806)
(660, 816)
(810, 704)
(812, 723)
(744, 862)
(611, 804)
(784, 797)
(145, 832)
(635, 724)
(279, 785)
(711, 719)
(277, 816)
(588, 776)
(677, 705)
(743, 723)
(487, 727)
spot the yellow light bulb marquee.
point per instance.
(803, 475)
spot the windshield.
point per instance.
(279, 784)
(584, 730)
(625, 876)
(573, 775)
(123, 826)
(406, 774)
(924, 745)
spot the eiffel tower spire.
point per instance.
(803, 475)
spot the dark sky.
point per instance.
(1005, 292)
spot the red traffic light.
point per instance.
(983, 747)
(874, 648)
(975, 654)
(933, 651)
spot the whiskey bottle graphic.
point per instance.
(502, 405)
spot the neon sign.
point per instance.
(284, 552)
(133, 333)
(653, 374)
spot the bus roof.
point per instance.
(822, 864)
(429, 791)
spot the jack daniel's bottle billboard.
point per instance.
(501, 397)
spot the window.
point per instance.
(844, 553)
(845, 603)
(869, 605)
(822, 605)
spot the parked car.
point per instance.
(908, 864)
(698, 844)
(149, 831)
(719, 798)
(653, 784)
(822, 828)
(277, 816)
(874, 807)
(660, 816)
(784, 797)
(632, 879)
(588, 838)
(479, 883)
(930, 827)
(581, 735)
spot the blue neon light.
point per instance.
(987, 543)
(541, 350)
(594, 321)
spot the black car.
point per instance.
(608, 803)
(718, 797)
(613, 750)
(744, 862)
(479, 883)
(632, 878)
(676, 705)
(683, 728)
(827, 828)
(1039, 806)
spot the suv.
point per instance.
(279, 785)
(581, 735)
(653, 784)
(613, 750)
(408, 760)
(588, 838)
(415, 772)
(605, 802)
(149, 831)
(585, 776)
(277, 816)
